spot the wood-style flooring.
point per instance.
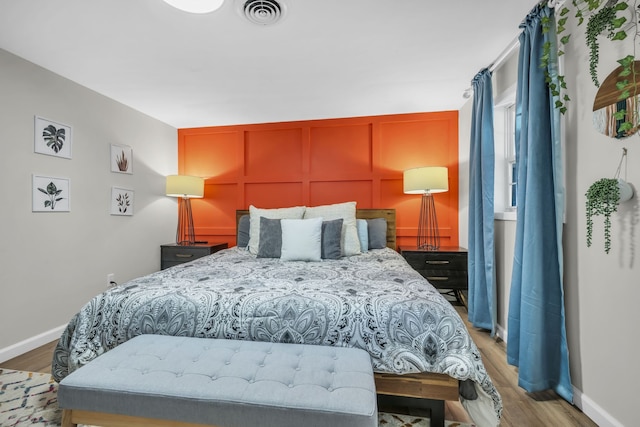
(521, 409)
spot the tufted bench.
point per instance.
(178, 381)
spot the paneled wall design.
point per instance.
(319, 162)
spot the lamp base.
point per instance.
(185, 236)
(428, 233)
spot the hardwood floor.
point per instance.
(521, 409)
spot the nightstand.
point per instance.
(446, 269)
(173, 254)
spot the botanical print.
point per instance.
(50, 194)
(52, 138)
(121, 159)
(121, 201)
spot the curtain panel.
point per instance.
(482, 277)
(537, 342)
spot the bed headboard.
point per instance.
(388, 214)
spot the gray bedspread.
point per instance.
(374, 301)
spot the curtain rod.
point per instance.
(504, 54)
(497, 62)
(510, 48)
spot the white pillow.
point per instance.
(295, 212)
(363, 234)
(347, 211)
(301, 239)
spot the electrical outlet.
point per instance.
(111, 280)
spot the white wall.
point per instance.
(52, 263)
(601, 291)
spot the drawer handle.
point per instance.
(437, 279)
(184, 255)
(436, 262)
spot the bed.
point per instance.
(418, 343)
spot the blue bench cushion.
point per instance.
(227, 383)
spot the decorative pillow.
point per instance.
(301, 239)
(363, 234)
(347, 211)
(242, 239)
(331, 233)
(270, 238)
(254, 218)
(377, 233)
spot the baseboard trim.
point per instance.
(29, 344)
(594, 411)
(501, 333)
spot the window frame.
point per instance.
(505, 206)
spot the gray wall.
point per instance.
(52, 263)
(601, 291)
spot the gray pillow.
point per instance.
(270, 245)
(330, 244)
(242, 238)
(377, 233)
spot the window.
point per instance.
(506, 170)
(510, 148)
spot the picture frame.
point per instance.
(52, 138)
(51, 194)
(121, 159)
(122, 200)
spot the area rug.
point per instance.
(29, 399)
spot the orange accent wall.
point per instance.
(319, 162)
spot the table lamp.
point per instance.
(427, 181)
(185, 187)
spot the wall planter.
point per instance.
(603, 198)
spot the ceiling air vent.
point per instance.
(262, 12)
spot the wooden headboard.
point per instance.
(388, 214)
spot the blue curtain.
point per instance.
(537, 341)
(482, 279)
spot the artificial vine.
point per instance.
(602, 199)
(604, 19)
(601, 16)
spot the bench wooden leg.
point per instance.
(66, 419)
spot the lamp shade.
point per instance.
(196, 6)
(185, 186)
(429, 179)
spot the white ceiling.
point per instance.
(326, 58)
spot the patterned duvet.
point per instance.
(374, 301)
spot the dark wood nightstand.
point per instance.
(446, 268)
(172, 254)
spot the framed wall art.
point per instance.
(121, 159)
(121, 201)
(52, 138)
(50, 194)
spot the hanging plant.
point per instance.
(602, 17)
(602, 199)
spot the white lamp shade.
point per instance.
(431, 179)
(185, 186)
(196, 6)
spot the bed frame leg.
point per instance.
(414, 406)
(437, 413)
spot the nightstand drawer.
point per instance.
(446, 279)
(436, 261)
(172, 254)
(446, 269)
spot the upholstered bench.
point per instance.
(177, 381)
